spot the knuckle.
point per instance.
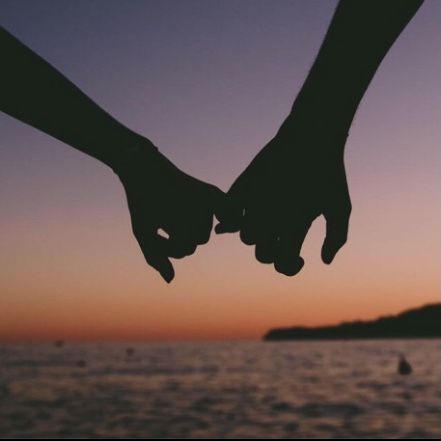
(204, 239)
(245, 237)
(347, 207)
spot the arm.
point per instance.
(159, 195)
(300, 174)
(36, 93)
(358, 38)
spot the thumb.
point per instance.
(154, 247)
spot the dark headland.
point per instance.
(424, 322)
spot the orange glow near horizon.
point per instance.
(133, 304)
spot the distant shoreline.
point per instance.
(418, 323)
(299, 339)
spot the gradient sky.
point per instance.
(210, 82)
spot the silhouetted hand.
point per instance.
(298, 176)
(160, 196)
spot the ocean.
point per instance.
(343, 389)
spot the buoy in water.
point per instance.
(81, 363)
(404, 367)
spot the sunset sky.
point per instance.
(209, 82)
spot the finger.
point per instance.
(266, 242)
(228, 226)
(162, 264)
(202, 228)
(179, 242)
(249, 229)
(229, 217)
(153, 247)
(257, 222)
(216, 199)
(230, 213)
(289, 266)
(180, 245)
(266, 249)
(337, 226)
(287, 260)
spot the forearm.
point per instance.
(36, 93)
(359, 36)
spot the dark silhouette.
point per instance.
(421, 322)
(159, 195)
(300, 174)
(130, 352)
(59, 343)
(404, 367)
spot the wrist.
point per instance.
(312, 136)
(321, 112)
(130, 150)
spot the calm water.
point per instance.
(289, 390)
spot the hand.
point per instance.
(160, 196)
(298, 176)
